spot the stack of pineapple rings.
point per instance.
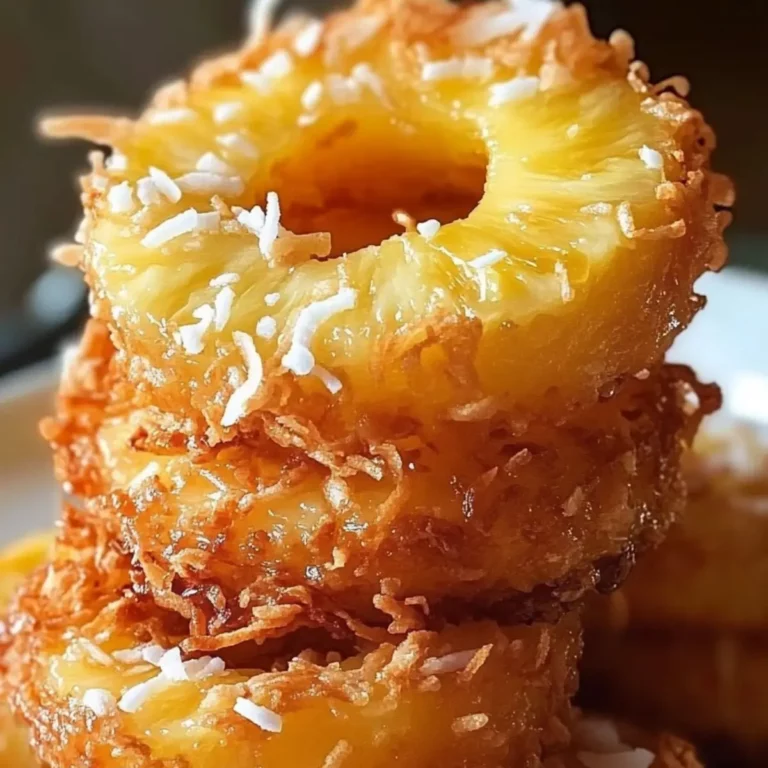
(373, 392)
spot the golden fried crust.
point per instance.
(502, 700)
(497, 511)
(422, 338)
(710, 686)
(711, 573)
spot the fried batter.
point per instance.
(497, 511)
(83, 674)
(242, 240)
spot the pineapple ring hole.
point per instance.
(365, 181)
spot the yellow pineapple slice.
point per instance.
(16, 562)
(452, 204)
(85, 654)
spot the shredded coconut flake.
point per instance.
(299, 358)
(483, 28)
(99, 701)
(363, 74)
(203, 183)
(278, 65)
(165, 184)
(468, 67)
(117, 161)
(120, 198)
(128, 656)
(238, 402)
(222, 307)
(261, 14)
(172, 666)
(517, 89)
(306, 42)
(312, 95)
(134, 698)
(95, 653)
(444, 665)
(566, 292)
(152, 654)
(342, 90)
(266, 328)
(191, 336)
(179, 225)
(488, 259)
(204, 667)
(226, 111)
(428, 228)
(265, 718)
(170, 116)
(651, 158)
(332, 384)
(228, 278)
(210, 162)
(533, 15)
(271, 228)
(147, 192)
(238, 143)
(271, 299)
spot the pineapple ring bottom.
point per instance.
(469, 695)
(17, 561)
(488, 513)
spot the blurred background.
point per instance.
(111, 53)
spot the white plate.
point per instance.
(727, 343)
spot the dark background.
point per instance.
(112, 53)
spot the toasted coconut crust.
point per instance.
(579, 324)
(523, 514)
(421, 697)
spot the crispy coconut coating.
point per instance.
(96, 672)
(245, 244)
(494, 511)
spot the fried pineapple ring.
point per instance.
(715, 557)
(16, 561)
(472, 695)
(576, 204)
(497, 511)
(693, 613)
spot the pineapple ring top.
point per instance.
(245, 240)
